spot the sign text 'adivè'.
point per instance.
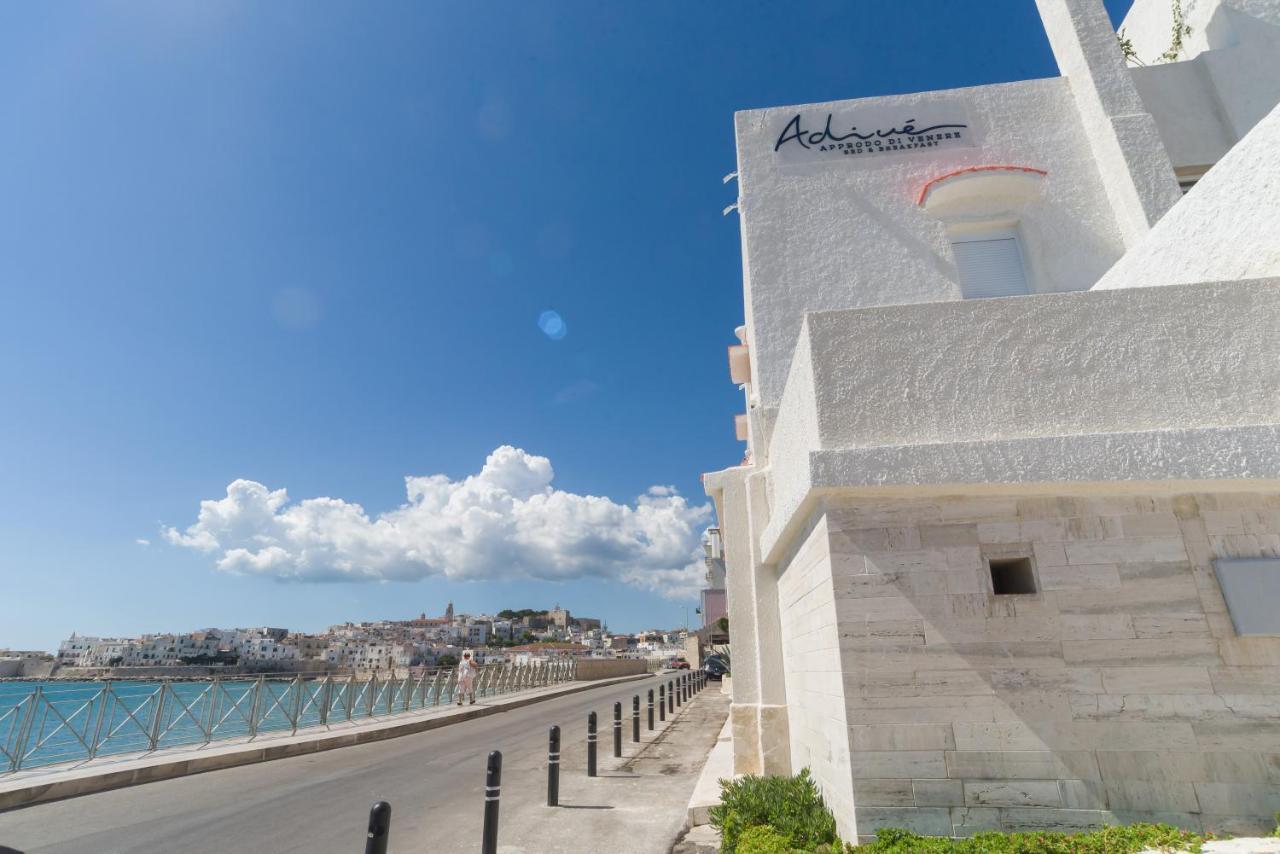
(870, 133)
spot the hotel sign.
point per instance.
(862, 134)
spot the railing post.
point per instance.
(297, 703)
(104, 698)
(591, 744)
(650, 710)
(156, 722)
(492, 792)
(435, 688)
(617, 730)
(671, 697)
(662, 702)
(379, 829)
(635, 717)
(553, 767)
(326, 695)
(350, 704)
(253, 707)
(371, 695)
(677, 688)
(215, 703)
(24, 734)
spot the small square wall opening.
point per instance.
(1012, 575)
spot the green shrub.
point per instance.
(790, 806)
(1108, 840)
(761, 839)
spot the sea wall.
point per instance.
(609, 668)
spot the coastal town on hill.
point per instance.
(366, 647)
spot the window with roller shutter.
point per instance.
(990, 264)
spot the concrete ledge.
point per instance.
(719, 766)
(56, 782)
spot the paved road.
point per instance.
(434, 781)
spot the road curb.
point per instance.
(84, 781)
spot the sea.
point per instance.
(71, 716)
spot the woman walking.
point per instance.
(467, 677)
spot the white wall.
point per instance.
(818, 730)
(1136, 384)
(1205, 355)
(1234, 43)
(1227, 227)
(849, 234)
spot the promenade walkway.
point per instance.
(434, 780)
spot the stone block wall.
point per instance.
(811, 661)
(1116, 692)
(609, 668)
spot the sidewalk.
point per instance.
(637, 804)
(112, 772)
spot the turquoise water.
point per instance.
(71, 716)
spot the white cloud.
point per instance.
(508, 521)
(140, 541)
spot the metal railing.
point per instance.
(57, 723)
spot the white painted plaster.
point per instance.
(872, 382)
(1181, 98)
(1110, 385)
(846, 235)
(1234, 47)
(1126, 144)
(1227, 227)
(1059, 364)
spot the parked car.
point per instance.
(715, 668)
(680, 664)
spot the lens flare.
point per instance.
(552, 325)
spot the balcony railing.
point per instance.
(74, 723)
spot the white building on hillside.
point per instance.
(73, 650)
(1015, 562)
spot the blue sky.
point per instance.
(309, 245)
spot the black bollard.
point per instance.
(662, 702)
(492, 791)
(553, 768)
(591, 744)
(678, 690)
(671, 699)
(635, 717)
(617, 730)
(379, 828)
(651, 710)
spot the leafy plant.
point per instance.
(791, 807)
(1127, 48)
(762, 839)
(722, 652)
(1180, 29)
(1109, 840)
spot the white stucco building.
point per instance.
(1012, 411)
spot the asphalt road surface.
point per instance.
(433, 780)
